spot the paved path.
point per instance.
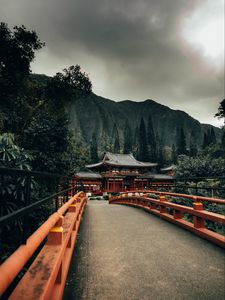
(125, 253)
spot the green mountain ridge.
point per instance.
(97, 114)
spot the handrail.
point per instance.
(28, 205)
(23, 211)
(199, 178)
(191, 197)
(163, 208)
(14, 171)
(52, 227)
(194, 187)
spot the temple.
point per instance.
(119, 172)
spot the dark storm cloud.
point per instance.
(133, 49)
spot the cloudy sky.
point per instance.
(171, 51)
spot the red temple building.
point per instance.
(119, 172)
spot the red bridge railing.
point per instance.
(46, 277)
(174, 213)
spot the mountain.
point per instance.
(97, 114)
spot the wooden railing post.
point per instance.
(177, 214)
(198, 221)
(162, 207)
(72, 207)
(55, 235)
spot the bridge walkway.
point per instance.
(126, 253)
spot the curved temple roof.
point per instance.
(88, 175)
(126, 160)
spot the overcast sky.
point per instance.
(171, 51)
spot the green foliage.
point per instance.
(127, 148)
(174, 154)
(223, 139)
(106, 142)
(214, 151)
(143, 154)
(201, 166)
(69, 85)
(160, 155)
(181, 142)
(116, 146)
(209, 138)
(116, 139)
(16, 53)
(12, 156)
(12, 189)
(151, 141)
(46, 139)
(221, 110)
(76, 155)
(193, 149)
(135, 142)
(94, 149)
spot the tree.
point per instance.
(205, 141)
(135, 141)
(17, 51)
(209, 138)
(127, 148)
(181, 142)
(94, 149)
(212, 136)
(47, 140)
(12, 156)
(115, 139)
(174, 154)
(12, 191)
(221, 114)
(76, 155)
(143, 153)
(200, 166)
(193, 149)
(161, 159)
(116, 146)
(221, 110)
(151, 140)
(223, 139)
(105, 142)
(71, 84)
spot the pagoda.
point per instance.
(119, 172)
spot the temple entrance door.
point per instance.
(115, 185)
(118, 186)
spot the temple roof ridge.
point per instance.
(119, 159)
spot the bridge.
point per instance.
(139, 245)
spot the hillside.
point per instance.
(95, 113)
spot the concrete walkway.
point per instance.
(125, 253)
